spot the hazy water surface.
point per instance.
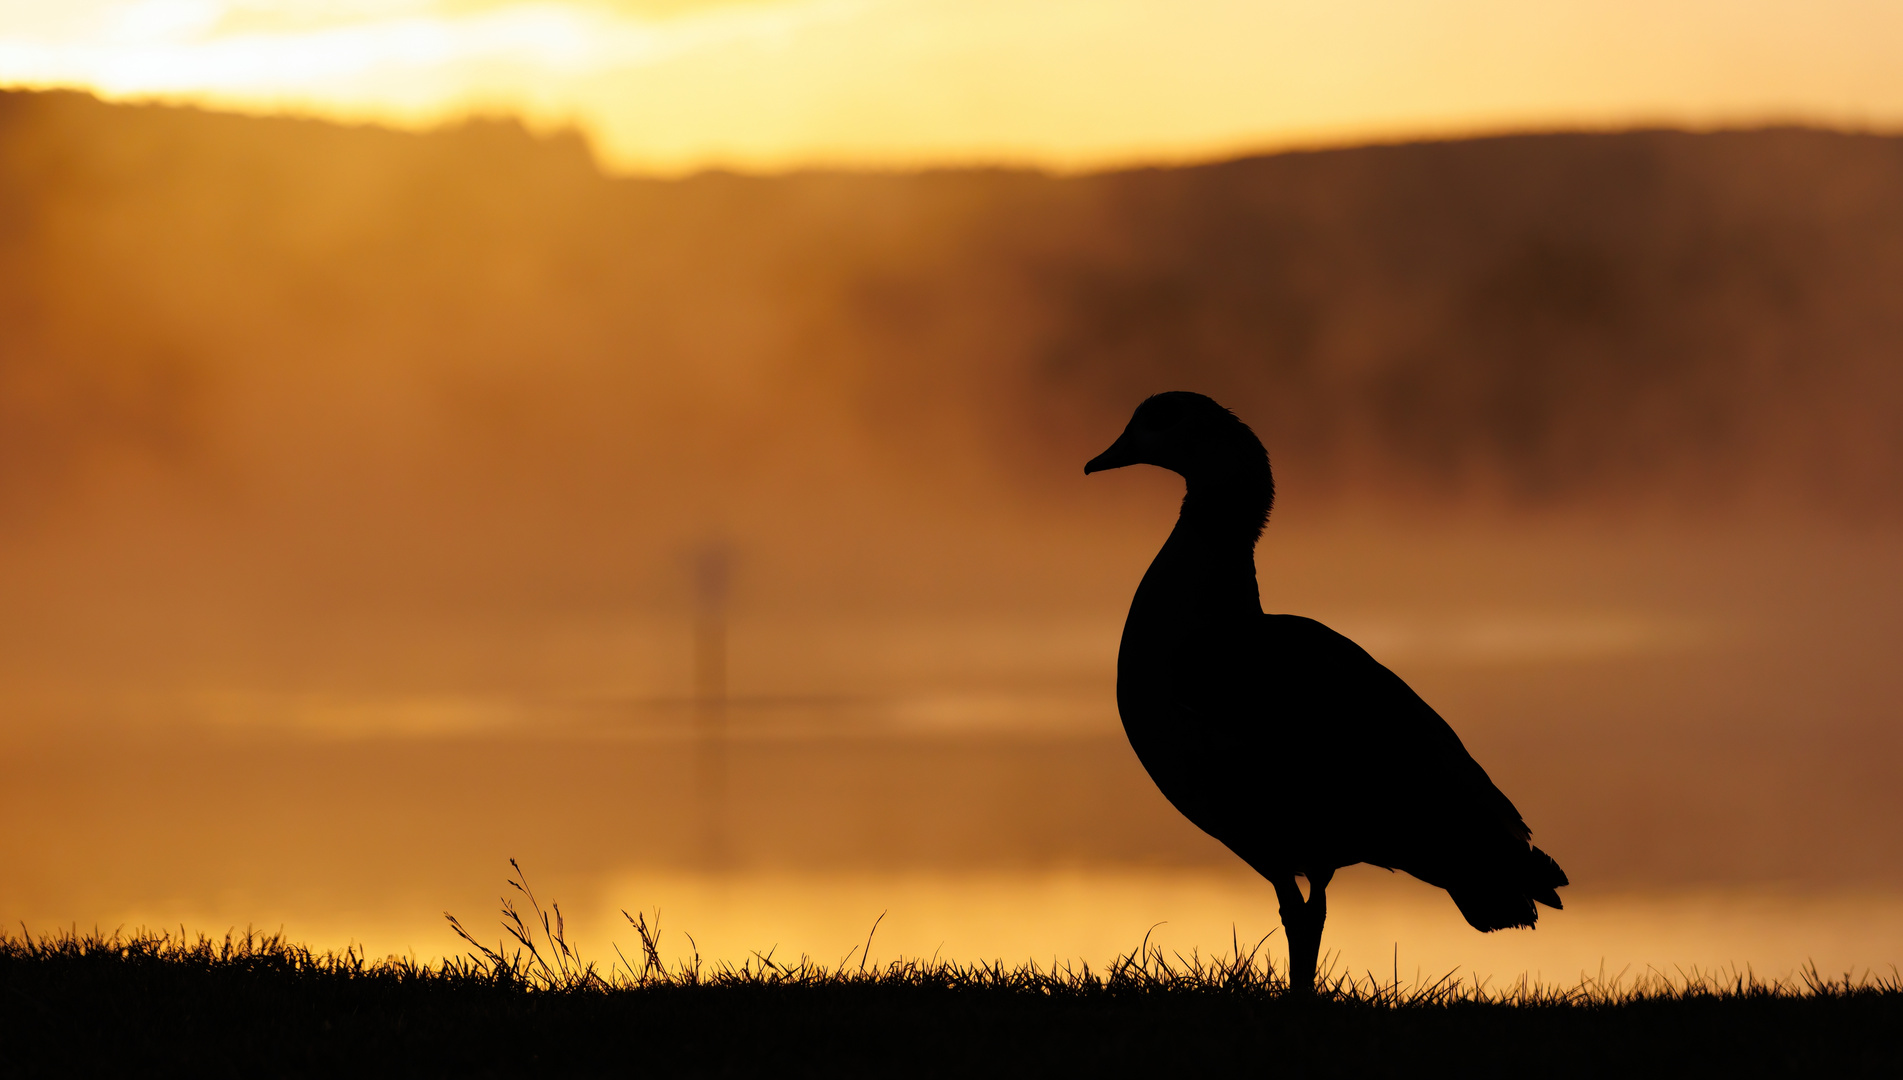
(1376, 925)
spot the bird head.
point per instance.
(1204, 443)
(1185, 433)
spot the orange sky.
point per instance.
(676, 85)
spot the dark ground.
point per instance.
(276, 1011)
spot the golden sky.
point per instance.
(675, 85)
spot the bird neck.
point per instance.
(1206, 569)
(1229, 506)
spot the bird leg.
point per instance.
(1302, 925)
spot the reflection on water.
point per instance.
(1094, 916)
(1378, 923)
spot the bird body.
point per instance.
(1281, 738)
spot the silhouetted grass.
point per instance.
(152, 1002)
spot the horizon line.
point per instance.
(860, 164)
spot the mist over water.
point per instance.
(352, 486)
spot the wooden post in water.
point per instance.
(713, 575)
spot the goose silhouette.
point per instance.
(1280, 737)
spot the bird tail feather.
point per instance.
(1506, 900)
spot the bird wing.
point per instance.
(1394, 774)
